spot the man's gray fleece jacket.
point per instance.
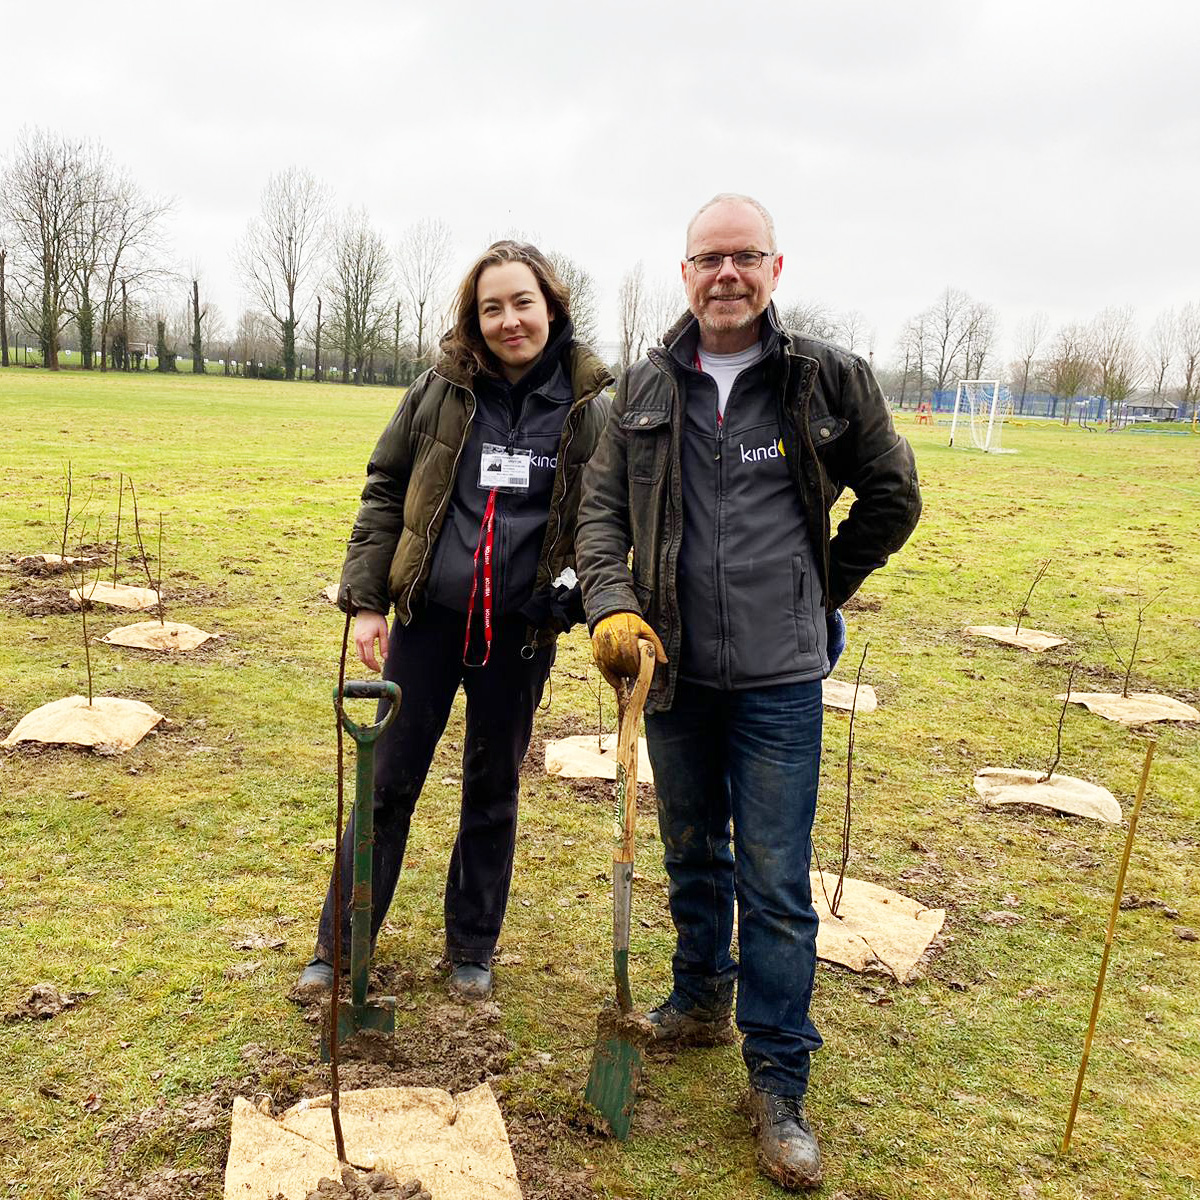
(734, 565)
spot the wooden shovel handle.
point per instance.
(629, 710)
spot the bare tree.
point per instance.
(914, 341)
(1069, 366)
(3, 303)
(981, 334)
(631, 303)
(420, 270)
(362, 296)
(811, 318)
(1119, 364)
(1188, 331)
(41, 196)
(132, 255)
(255, 338)
(1031, 333)
(197, 339)
(585, 301)
(663, 302)
(947, 327)
(280, 254)
(1160, 350)
(852, 330)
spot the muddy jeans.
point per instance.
(751, 759)
(426, 659)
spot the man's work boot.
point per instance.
(787, 1147)
(471, 981)
(316, 980)
(696, 1027)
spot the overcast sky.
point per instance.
(1037, 155)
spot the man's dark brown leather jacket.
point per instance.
(836, 431)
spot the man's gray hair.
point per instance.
(738, 198)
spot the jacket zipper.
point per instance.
(445, 500)
(723, 666)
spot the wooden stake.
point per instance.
(1108, 941)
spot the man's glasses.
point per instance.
(743, 260)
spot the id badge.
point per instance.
(504, 471)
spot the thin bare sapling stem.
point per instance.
(335, 1091)
(84, 602)
(1128, 664)
(1023, 611)
(67, 490)
(1061, 717)
(158, 586)
(837, 891)
(117, 539)
(137, 530)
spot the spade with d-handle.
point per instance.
(379, 1014)
(622, 1034)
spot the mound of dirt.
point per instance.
(31, 600)
(358, 1185)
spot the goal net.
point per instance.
(982, 405)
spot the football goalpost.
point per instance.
(982, 401)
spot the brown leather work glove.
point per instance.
(614, 645)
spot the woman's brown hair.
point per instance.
(463, 348)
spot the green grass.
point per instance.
(130, 877)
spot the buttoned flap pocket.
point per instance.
(649, 434)
(825, 430)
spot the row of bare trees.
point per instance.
(1109, 359)
(78, 238)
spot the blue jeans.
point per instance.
(744, 764)
(835, 637)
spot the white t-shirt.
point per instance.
(725, 368)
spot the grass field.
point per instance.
(131, 878)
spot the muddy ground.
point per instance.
(177, 1150)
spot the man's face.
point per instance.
(727, 299)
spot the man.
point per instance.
(726, 448)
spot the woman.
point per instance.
(467, 526)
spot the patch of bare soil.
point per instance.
(456, 1047)
(31, 599)
(588, 791)
(44, 1002)
(861, 603)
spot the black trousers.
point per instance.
(426, 659)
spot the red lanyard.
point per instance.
(486, 530)
(696, 364)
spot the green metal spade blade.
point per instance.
(616, 1071)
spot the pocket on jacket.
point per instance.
(647, 438)
(761, 603)
(803, 607)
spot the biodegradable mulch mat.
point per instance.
(839, 695)
(876, 929)
(1036, 640)
(1138, 708)
(153, 635)
(330, 593)
(579, 757)
(109, 725)
(1063, 793)
(137, 598)
(456, 1145)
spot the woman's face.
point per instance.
(513, 316)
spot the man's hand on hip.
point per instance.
(614, 645)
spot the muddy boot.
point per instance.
(696, 1027)
(471, 981)
(316, 980)
(787, 1147)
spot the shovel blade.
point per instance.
(613, 1083)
